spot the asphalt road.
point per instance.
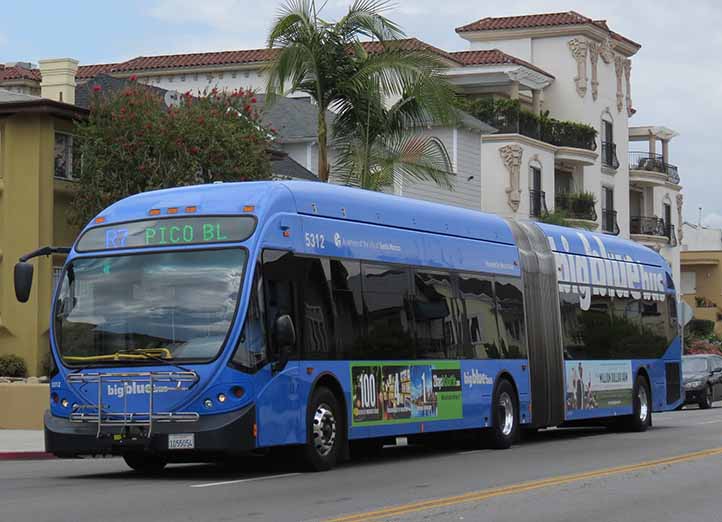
(671, 473)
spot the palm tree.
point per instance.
(380, 144)
(328, 61)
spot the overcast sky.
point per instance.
(676, 76)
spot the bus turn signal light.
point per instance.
(99, 220)
(237, 392)
(249, 208)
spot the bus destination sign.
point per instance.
(194, 230)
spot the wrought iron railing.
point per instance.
(649, 226)
(609, 222)
(609, 155)
(653, 162)
(555, 132)
(537, 203)
(575, 207)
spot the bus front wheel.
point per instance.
(505, 416)
(325, 431)
(144, 462)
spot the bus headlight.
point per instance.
(692, 384)
(64, 403)
(208, 403)
(221, 398)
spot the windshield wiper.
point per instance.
(144, 352)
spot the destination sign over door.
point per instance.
(168, 232)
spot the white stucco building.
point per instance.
(565, 65)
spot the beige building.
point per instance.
(702, 285)
(36, 168)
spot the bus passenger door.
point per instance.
(280, 409)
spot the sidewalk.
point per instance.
(22, 444)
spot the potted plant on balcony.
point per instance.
(582, 205)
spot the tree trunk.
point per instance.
(323, 167)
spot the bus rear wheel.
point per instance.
(505, 416)
(145, 462)
(641, 418)
(325, 431)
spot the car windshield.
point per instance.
(694, 365)
(169, 305)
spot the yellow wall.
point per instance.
(33, 208)
(707, 265)
(22, 406)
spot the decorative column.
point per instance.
(511, 155)
(627, 75)
(680, 221)
(606, 51)
(536, 101)
(594, 58)
(665, 151)
(578, 49)
(619, 70)
(514, 90)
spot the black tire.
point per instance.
(145, 462)
(706, 402)
(325, 431)
(505, 422)
(641, 419)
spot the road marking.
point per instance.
(239, 481)
(708, 422)
(477, 496)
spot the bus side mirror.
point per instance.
(23, 281)
(284, 336)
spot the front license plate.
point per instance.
(178, 441)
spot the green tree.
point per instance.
(133, 143)
(378, 144)
(328, 61)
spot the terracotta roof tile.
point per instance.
(493, 57)
(173, 61)
(19, 73)
(538, 20)
(407, 44)
(91, 71)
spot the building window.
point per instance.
(537, 201)
(609, 148)
(609, 215)
(234, 74)
(67, 164)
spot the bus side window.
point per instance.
(346, 287)
(387, 293)
(318, 319)
(436, 317)
(250, 353)
(481, 333)
(280, 274)
(510, 314)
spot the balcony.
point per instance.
(651, 169)
(537, 203)
(652, 231)
(609, 155)
(609, 222)
(578, 209)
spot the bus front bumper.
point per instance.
(222, 434)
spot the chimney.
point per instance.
(58, 79)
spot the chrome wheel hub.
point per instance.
(324, 430)
(643, 404)
(506, 414)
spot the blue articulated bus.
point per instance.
(197, 322)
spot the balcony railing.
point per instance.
(652, 226)
(609, 155)
(653, 163)
(555, 132)
(575, 207)
(609, 222)
(537, 203)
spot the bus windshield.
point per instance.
(171, 305)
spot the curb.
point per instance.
(26, 455)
